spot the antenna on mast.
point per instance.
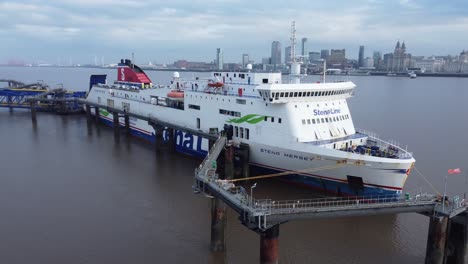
(293, 42)
(295, 75)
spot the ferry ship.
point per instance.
(303, 128)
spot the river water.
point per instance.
(70, 193)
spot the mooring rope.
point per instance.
(290, 172)
(427, 181)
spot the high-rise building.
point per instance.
(275, 53)
(368, 63)
(387, 61)
(324, 54)
(287, 55)
(337, 58)
(377, 56)
(314, 56)
(219, 59)
(304, 47)
(245, 60)
(361, 56)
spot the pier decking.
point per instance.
(264, 216)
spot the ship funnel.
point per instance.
(128, 72)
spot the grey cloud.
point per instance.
(153, 27)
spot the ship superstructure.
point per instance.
(293, 126)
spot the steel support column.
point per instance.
(218, 225)
(158, 136)
(97, 113)
(171, 142)
(229, 162)
(245, 157)
(436, 240)
(456, 247)
(33, 112)
(127, 124)
(88, 112)
(116, 124)
(269, 245)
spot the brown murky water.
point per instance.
(70, 193)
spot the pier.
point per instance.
(447, 236)
(38, 97)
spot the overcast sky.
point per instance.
(164, 31)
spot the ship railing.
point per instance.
(200, 90)
(269, 207)
(373, 140)
(335, 140)
(452, 204)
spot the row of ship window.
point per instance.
(325, 119)
(272, 119)
(241, 75)
(239, 101)
(277, 95)
(241, 132)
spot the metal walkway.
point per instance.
(261, 214)
(44, 99)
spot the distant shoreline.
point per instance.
(401, 74)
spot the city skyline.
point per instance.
(165, 32)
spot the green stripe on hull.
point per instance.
(251, 119)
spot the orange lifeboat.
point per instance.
(216, 84)
(176, 95)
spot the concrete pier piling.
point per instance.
(269, 245)
(245, 157)
(456, 247)
(88, 112)
(158, 133)
(218, 225)
(127, 124)
(218, 208)
(447, 240)
(436, 240)
(115, 120)
(33, 112)
(171, 139)
(229, 162)
(97, 113)
(9, 101)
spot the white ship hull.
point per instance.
(305, 130)
(378, 178)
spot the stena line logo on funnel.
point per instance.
(327, 112)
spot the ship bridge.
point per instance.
(285, 93)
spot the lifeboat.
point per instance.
(215, 84)
(176, 95)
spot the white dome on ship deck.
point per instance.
(176, 75)
(249, 66)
